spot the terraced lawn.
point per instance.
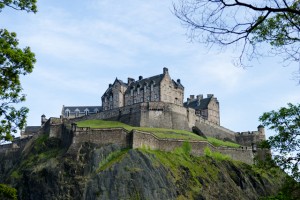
(159, 132)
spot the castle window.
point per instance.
(148, 98)
(145, 88)
(138, 90)
(67, 113)
(129, 102)
(151, 88)
(131, 92)
(142, 99)
(76, 113)
(155, 96)
(111, 107)
(134, 101)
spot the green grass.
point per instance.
(186, 170)
(218, 143)
(159, 132)
(112, 158)
(216, 155)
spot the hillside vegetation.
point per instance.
(46, 170)
(159, 132)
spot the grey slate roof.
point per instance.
(195, 104)
(109, 89)
(81, 108)
(146, 81)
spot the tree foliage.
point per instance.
(14, 62)
(286, 143)
(246, 24)
(27, 5)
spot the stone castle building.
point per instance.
(155, 101)
(158, 88)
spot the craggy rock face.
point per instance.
(89, 171)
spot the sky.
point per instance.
(82, 46)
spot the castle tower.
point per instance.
(261, 130)
(43, 119)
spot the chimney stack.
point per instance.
(192, 97)
(165, 70)
(130, 80)
(199, 97)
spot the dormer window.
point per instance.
(86, 112)
(110, 98)
(67, 113)
(77, 112)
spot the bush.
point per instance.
(197, 131)
(7, 192)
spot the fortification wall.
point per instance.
(143, 139)
(117, 136)
(247, 138)
(162, 115)
(16, 145)
(213, 130)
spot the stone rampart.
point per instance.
(16, 145)
(144, 139)
(117, 136)
(213, 130)
(161, 115)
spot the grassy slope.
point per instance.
(159, 132)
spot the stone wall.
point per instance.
(213, 130)
(162, 115)
(16, 145)
(143, 139)
(117, 136)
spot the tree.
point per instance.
(27, 5)
(14, 62)
(286, 143)
(247, 24)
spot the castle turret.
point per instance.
(261, 130)
(43, 119)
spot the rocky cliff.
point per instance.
(46, 170)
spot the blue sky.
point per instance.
(82, 46)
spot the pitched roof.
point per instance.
(198, 105)
(146, 81)
(109, 89)
(81, 108)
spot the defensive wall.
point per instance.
(71, 136)
(118, 136)
(161, 115)
(145, 139)
(139, 139)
